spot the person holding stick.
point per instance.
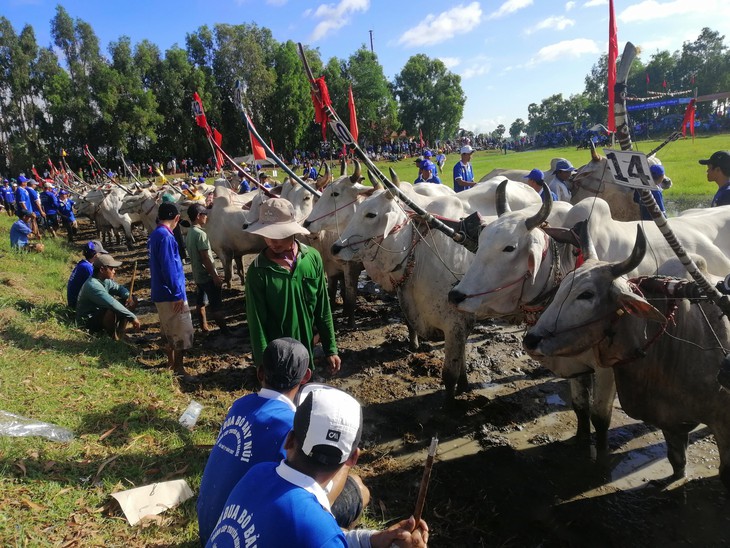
(286, 503)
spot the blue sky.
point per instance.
(509, 53)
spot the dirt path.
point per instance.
(507, 472)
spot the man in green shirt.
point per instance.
(204, 274)
(286, 288)
(97, 309)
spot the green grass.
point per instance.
(54, 493)
(679, 158)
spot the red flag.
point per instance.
(218, 138)
(421, 142)
(353, 115)
(320, 101)
(689, 119)
(612, 56)
(647, 78)
(664, 84)
(199, 113)
(37, 177)
(271, 144)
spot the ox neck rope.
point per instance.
(410, 259)
(335, 210)
(376, 240)
(154, 203)
(534, 308)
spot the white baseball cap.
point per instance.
(466, 149)
(328, 424)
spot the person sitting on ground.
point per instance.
(82, 272)
(425, 174)
(21, 232)
(662, 182)
(286, 503)
(263, 418)
(204, 274)
(96, 309)
(718, 172)
(559, 185)
(535, 179)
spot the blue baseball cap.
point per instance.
(63, 192)
(535, 175)
(563, 165)
(427, 154)
(22, 179)
(426, 165)
(657, 171)
(201, 179)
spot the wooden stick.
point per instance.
(423, 489)
(134, 277)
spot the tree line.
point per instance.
(137, 100)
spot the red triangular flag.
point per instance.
(353, 114)
(689, 119)
(612, 56)
(258, 151)
(271, 144)
(218, 138)
(199, 113)
(320, 101)
(37, 177)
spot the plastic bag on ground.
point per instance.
(17, 426)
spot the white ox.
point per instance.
(418, 263)
(508, 248)
(105, 203)
(665, 359)
(225, 232)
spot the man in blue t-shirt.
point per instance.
(82, 271)
(425, 174)
(286, 504)
(168, 288)
(463, 172)
(718, 171)
(21, 232)
(254, 429)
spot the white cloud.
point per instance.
(567, 49)
(555, 23)
(595, 3)
(434, 29)
(334, 16)
(651, 46)
(450, 62)
(649, 10)
(476, 66)
(569, 6)
(510, 6)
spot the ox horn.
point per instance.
(594, 155)
(343, 167)
(394, 177)
(501, 199)
(355, 177)
(586, 244)
(633, 260)
(542, 215)
(374, 181)
(323, 180)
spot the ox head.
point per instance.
(374, 220)
(507, 262)
(589, 302)
(338, 202)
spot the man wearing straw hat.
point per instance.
(286, 287)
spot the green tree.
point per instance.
(430, 98)
(498, 132)
(517, 128)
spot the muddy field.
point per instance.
(507, 472)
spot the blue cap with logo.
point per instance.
(657, 171)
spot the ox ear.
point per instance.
(636, 305)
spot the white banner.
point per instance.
(629, 168)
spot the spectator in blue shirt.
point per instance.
(21, 232)
(82, 271)
(425, 174)
(718, 171)
(535, 180)
(168, 288)
(463, 172)
(66, 214)
(662, 182)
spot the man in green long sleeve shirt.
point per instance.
(97, 309)
(286, 287)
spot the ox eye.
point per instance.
(586, 295)
(370, 215)
(335, 194)
(509, 249)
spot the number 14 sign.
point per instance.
(629, 168)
